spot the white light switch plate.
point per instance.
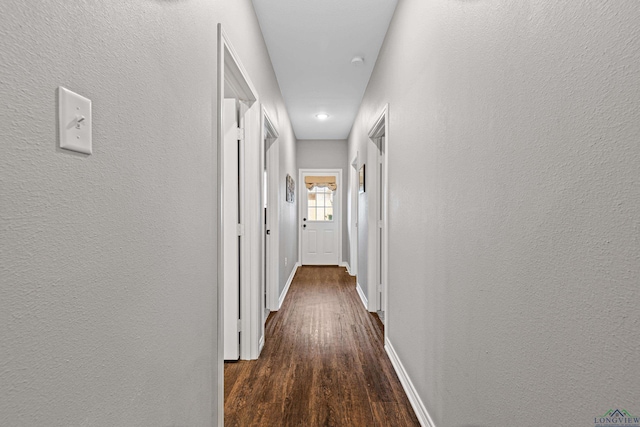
(75, 121)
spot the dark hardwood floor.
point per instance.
(323, 363)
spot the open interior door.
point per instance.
(230, 235)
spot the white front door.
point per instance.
(320, 220)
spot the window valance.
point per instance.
(321, 182)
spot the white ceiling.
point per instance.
(311, 44)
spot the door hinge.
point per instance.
(240, 229)
(240, 134)
(239, 325)
(380, 287)
(379, 223)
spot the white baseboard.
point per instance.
(347, 266)
(362, 296)
(288, 285)
(261, 344)
(418, 407)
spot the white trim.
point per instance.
(418, 407)
(385, 222)
(283, 295)
(271, 129)
(379, 127)
(378, 247)
(371, 230)
(347, 266)
(219, 361)
(362, 296)
(267, 251)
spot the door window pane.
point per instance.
(320, 204)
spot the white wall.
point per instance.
(107, 262)
(328, 154)
(514, 198)
(107, 272)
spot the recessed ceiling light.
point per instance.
(357, 60)
(322, 116)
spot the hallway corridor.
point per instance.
(323, 363)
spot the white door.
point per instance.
(270, 186)
(380, 231)
(266, 258)
(273, 239)
(230, 237)
(320, 217)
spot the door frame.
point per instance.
(379, 128)
(253, 321)
(353, 216)
(232, 79)
(301, 193)
(268, 275)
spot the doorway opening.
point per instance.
(270, 224)
(379, 258)
(238, 122)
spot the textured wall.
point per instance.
(107, 276)
(288, 211)
(514, 206)
(328, 154)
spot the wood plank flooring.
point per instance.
(323, 363)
